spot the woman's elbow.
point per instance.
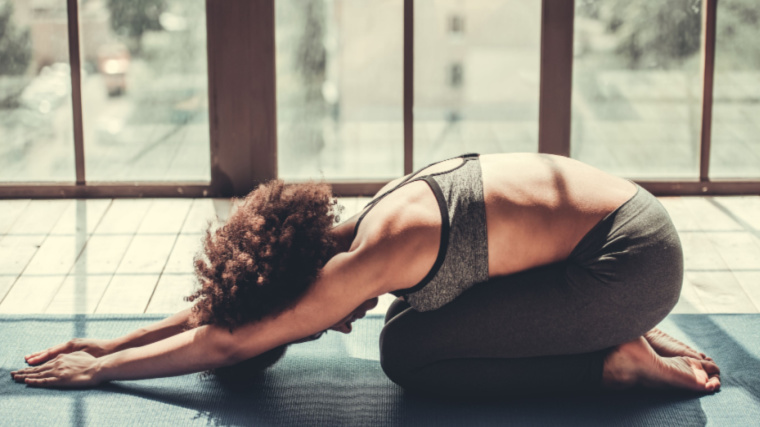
(237, 346)
(219, 344)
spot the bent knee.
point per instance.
(395, 353)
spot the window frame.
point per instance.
(243, 129)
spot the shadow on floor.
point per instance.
(319, 384)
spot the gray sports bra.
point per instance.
(463, 254)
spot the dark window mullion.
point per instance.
(75, 61)
(242, 105)
(554, 106)
(709, 19)
(408, 86)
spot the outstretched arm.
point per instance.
(195, 350)
(333, 296)
(158, 331)
(190, 351)
(165, 328)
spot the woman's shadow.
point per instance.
(323, 387)
(320, 384)
(298, 398)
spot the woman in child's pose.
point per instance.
(515, 273)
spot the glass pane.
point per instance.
(637, 87)
(735, 148)
(339, 88)
(36, 131)
(145, 96)
(476, 77)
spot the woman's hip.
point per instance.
(635, 254)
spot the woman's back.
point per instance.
(537, 209)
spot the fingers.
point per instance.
(33, 358)
(45, 355)
(24, 377)
(42, 382)
(38, 377)
(32, 370)
(20, 375)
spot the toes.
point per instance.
(710, 367)
(705, 357)
(713, 383)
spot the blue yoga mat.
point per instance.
(337, 380)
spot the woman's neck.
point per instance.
(344, 234)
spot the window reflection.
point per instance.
(144, 96)
(637, 87)
(735, 149)
(339, 88)
(476, 77)
(36, 142)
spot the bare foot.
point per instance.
(667, 346)
(635, 363)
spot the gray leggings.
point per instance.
(548, 329)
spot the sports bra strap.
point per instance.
(409, 180)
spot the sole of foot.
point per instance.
(636, 363)
(667, 346)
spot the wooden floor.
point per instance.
(135, 255)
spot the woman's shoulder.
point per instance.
(400, 235)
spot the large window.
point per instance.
(339, 88)
(736, 100)
(144, 96)
(143, 91)
(36, 140)
(110, 97)
(476, 76)
(637, 87)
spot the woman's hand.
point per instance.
(94, 347)
(75, 370)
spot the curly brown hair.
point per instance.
(261, 261)
(266, 255)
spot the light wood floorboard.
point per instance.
(81, 217)
(128, 293)
(169, 293)
(10, 212)
(31, 294)
(136, 255)
(79, 294)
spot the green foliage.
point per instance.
(654, 33)
(738, 35)
(15, 44)
(667, 33)
(132, 18)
